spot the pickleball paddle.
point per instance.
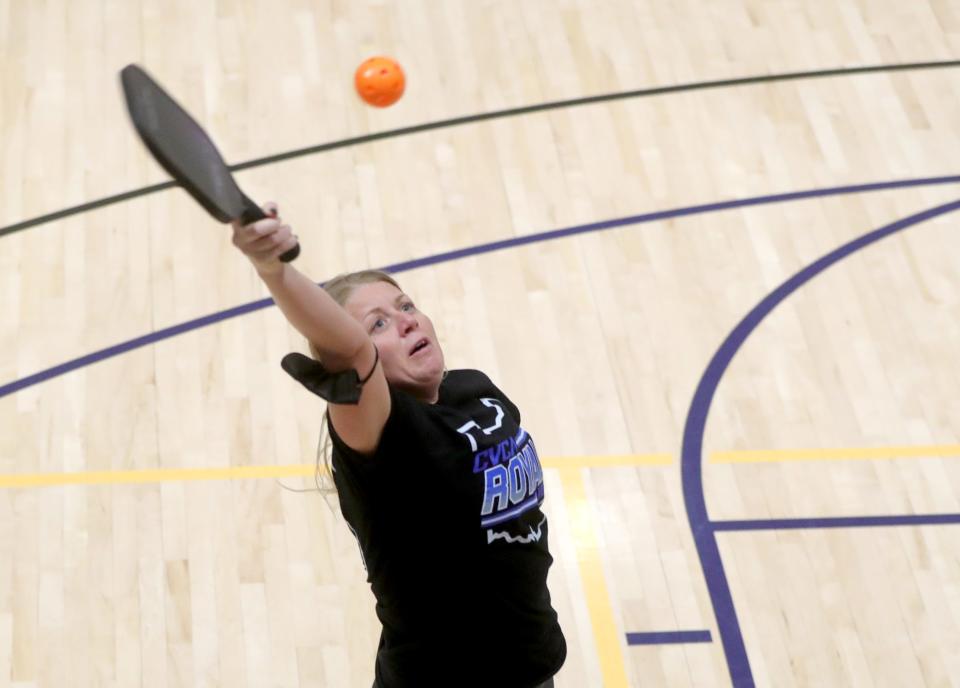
(186, 152)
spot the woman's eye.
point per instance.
(377, 324)
(407, 307)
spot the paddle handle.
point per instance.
(252, 213)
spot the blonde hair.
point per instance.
(340, 288)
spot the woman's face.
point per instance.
(409, 351)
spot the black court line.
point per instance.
(496, 114)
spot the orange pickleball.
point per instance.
(379, 81)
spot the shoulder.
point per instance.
(466, 385)
(465, 382)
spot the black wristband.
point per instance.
(337, 388)
(376, 360)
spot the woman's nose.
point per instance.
(407, 322)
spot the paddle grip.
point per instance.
(252, 213)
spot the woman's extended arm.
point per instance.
(340, 339)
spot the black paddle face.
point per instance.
(185, 151)
(180, 145)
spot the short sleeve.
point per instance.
(404, 415)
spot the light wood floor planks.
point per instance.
(181, 577)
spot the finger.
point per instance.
(238, 223)
(284, 246)
(245, 235)
(271, 209)
(264, 245)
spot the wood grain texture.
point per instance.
(599, 338)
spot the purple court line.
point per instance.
(703, 529)
(836, 522)
(668, 637)
(160, 335)
(130, 345)
(691, 458)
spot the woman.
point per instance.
(439, 483)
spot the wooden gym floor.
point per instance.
(740, 362)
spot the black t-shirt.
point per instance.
(447, 515)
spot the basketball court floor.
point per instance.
(710, 249)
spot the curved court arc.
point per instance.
(703, 528)
(829, 433)
(403, 266)
(486, 116)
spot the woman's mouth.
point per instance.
(421, 345)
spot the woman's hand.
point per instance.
(264, 241)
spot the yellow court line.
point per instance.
(582, 520)
(836, 453)
(154, 475)
(609, 461)
(583, 527)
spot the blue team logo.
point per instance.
(512, 475)
(512, 479)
